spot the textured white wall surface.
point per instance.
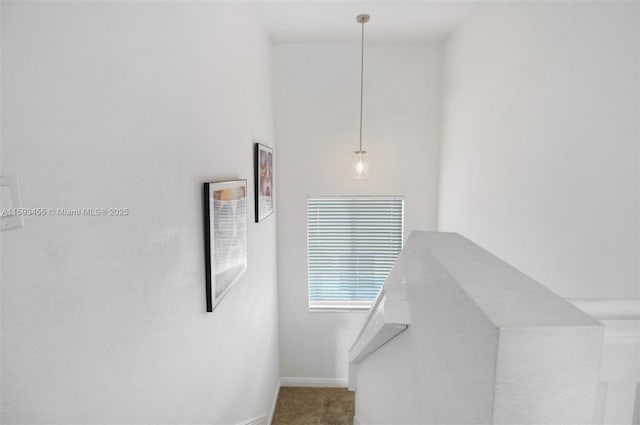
(516, 354)
(133, 105)
(547, 375)
(317, 100)
(540, 141)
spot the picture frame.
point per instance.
(264, 182)
(225, 234)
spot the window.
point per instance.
(352, 244)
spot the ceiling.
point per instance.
(333, 21)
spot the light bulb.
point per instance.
(360, 165)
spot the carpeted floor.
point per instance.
(314, 406)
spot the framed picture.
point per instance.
(225, 233)
(263, 181)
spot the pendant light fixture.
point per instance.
(361, 160)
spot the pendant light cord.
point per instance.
(361, 82)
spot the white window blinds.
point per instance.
(352, 245)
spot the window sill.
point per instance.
(339, 306)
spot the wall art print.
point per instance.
(225, 231)
(264, 182)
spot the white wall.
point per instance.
(316, 92)
(486, 345)
(540, 141)
(132, 105)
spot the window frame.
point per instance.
(348, 306)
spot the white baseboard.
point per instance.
(264, 419)
(273, 404)
(313, 382)
(259, 420)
